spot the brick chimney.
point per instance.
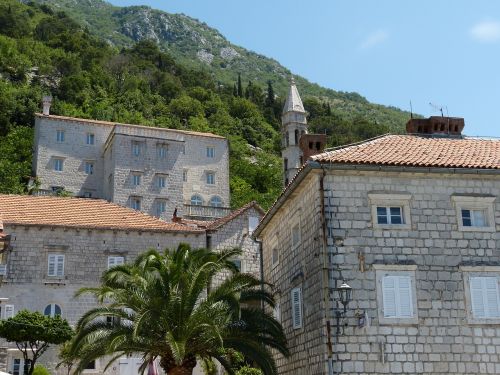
(47, 102)
(436, 126)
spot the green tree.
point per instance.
(160, 307)
(240, 87)
(270, 100)
(33, 333)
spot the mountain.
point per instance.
(196, 45)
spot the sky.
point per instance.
(434, 54)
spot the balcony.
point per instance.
(205, 212)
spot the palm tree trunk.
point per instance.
(181, 370)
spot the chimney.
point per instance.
(437, 126)
(47, 101)
(175, 218)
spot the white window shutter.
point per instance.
(119, 260)
(60, 265)
(389, 296)
(111, 262)
(477, 297)
(8, 311)
(52, 265)
(491, 294)
(297, 307)
(405, 300)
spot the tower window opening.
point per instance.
(296, 137)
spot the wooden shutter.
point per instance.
(8, 311)
(404, 293)
(297, 307)
(60, 265)
(389, 296)
(484, 297)
(52, 265)
(115, 261)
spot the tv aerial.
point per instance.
(439, 108)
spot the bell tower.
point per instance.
(293, 126)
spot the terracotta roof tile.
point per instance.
(80, 213)
(417, 151)
(108, 123)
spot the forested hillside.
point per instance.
(44, 51)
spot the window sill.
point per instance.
(399, 321)
(476, 229)
(483, 321)
(392, 226)
(54, 281)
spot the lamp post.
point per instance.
(343, 294)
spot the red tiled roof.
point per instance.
(216, 224)
(80, 213)
(417, 151)
(108, 123)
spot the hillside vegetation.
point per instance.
(43, 50)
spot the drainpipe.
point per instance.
(261, 269)
(325, 273)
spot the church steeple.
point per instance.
(294, 125)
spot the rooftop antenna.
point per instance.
(437, 108)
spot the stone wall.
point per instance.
(86, 252)
(442, 338)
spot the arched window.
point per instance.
(287, 139)
(52, 310)
(196, 200)
(216, 201)
(296, 137)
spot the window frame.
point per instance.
(159, 204)
(217, 200)
(136, 146)
(53, 307)
(483, 272)
(300, 311)
(90, 139)
(295, 245)
(201, 200)
(114, 258)
(89, 167)
(161, 181)
(56, 273)
(161, 151)
(383, 270)
(133, 201)
(475, 203)
(58, 164)
(210, 178)
(8, 311)
(210, 152)
(184, 175)
(388, 200)
(136, 179)
(60, 136)
(275, 260)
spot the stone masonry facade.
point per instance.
(439, 255)
(28, 286)
(154, 170)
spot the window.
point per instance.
(275, 256)
(8, 311)
(390, 210)
(90, 138)
(396, 293)
(18, 366)
(87, 194)
(58, 165)
(136, 179)
(297, 307)
(474, 218)
(161, 181)
(389, 215)
(295, 236)
(253, 222)
(89, 167)
(135, 203)
(185, 175)
(90, 366)
(136, 148)
(60, 136)
(161, 151)
(484, 297)
(277, 311)
(474, 213)
(196, 200)
(52, 310)
(210, 178)
(161, 207)
(216, 201)
(115, 260)
(240, 265)
(210, 152)
(56, 265)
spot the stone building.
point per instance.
(153, 170)
(411, 223)
(296, 145)
(51, 247)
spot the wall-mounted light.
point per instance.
(343, 294)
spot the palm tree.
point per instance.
(161, 307)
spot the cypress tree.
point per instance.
(240, 87)
(235, 90)
(270, 94)
(248, 90)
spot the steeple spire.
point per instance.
(293, 101)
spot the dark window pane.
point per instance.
(466, 220)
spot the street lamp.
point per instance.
(343, 294)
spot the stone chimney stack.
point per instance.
(437, 126)
(47, 102)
